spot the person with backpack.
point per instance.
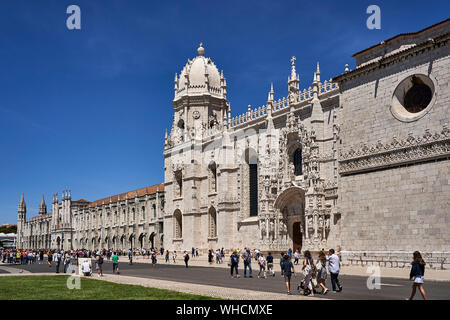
(99, 259)
(262, 266)
(287, 270)
(186, 258)
(417, 273)
(247, 257)
(115, 260)
(234, 263)
(309, 269)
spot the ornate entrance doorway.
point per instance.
(291, 204)
(297, 236)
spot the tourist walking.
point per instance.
(417, 273)
(234, 263)
(322, 271)
(154, 260)
(269, 259)
(174, 256)
(247, 257)
(334, 266)
(49, 258)
(262, 266)
(296, 257)
(66, 263)
(115, 260)
(99, 260)
(186, 258)
(130, 256)
(288, 269)
(58, 259)
(309, 270)
(167, 256)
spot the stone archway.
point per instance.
(291, 204)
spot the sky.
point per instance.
(87, 109)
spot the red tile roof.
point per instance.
(131, 195)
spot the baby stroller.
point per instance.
(306, 290)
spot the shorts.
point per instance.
(287, 278)
(418, 279)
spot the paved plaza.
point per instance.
(216, 281)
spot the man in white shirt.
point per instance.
(334, 266)
(86, 268)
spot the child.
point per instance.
(416, 274)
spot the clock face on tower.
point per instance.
(196, 114)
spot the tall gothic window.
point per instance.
(132, 215)
(178, 225)
(251, 159)
(178, 184)
(143, 212)
(154, 210)
(212, 217)
(298, 162)
(212, 177)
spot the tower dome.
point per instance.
(200, 76)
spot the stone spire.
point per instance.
(43, 206)
(318, 72)
(270, 96)
(22, 206)
(269, 108)
(294, 79)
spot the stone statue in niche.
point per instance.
(262, 227)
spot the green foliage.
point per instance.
(11, 229)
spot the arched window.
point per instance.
(143, 212)
(251, 159)
(212, 223)
(178, 225)
(154, 210)
(298, 162)
(212, 172)
(178, 184)
(133, 217)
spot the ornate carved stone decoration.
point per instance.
(396, 152)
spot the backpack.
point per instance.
(234, 259)
(100, 260)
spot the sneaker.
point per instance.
(340, 289)
(325, 292)
(238, 276)
(289, 293)
(334, 291)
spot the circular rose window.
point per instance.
(413, 98)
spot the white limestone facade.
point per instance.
(265, 179)
(394, 168)
(129, 220)
(358, 163)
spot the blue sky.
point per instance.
(87, 109)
